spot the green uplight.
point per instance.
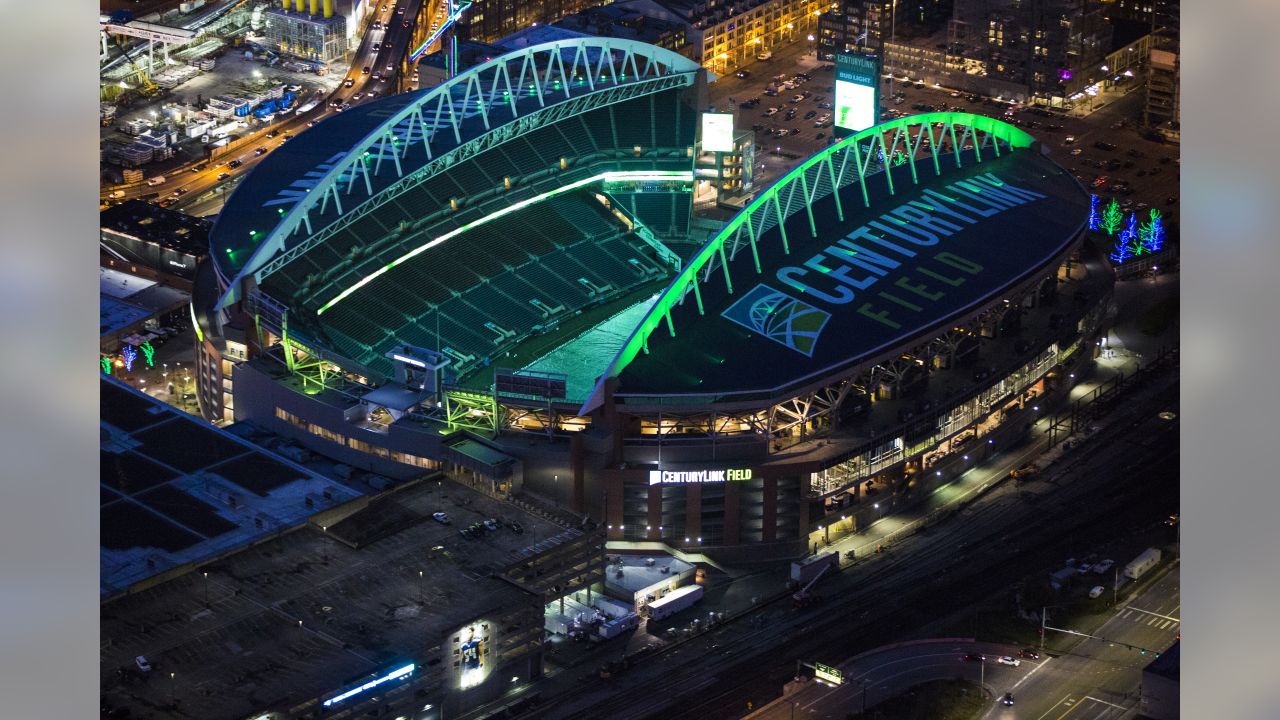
(1011, 135)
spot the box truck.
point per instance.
(674, 601)
(1141, 564)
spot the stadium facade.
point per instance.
(503, 277)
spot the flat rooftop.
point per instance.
(638, 574)
(818, 310)
(167, 228)
(176, 490)
(360, 608)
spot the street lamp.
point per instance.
(557, 482)
(206, 588)
(421, 591)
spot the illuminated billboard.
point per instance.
(717, 132)
(469, 655)
(857, 104)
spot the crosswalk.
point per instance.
(1148, 618)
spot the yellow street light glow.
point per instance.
(619, 176)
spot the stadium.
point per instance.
(507, 278)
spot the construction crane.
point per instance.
(803, 598)
(146, 88)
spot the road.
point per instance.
(1011, 531)
(204, 192)
(1097, 680)
(1093, 681)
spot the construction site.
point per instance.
(184, 78)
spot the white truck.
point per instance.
(157, 180)
(1141, 564)
(674, 601)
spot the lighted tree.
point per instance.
(1121, 252)
(128, 354)
(148, 353)
(1112, 217)
(899, 158)
(1093, 212)
(106, 365)
(1129, 236)
(1151, 234)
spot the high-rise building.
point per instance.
(489, 20)
(854, 25)
(1053, 48)
(1163, 79)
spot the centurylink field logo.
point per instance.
(779, 317)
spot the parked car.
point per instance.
(516, 527)
(1096, 591)
(1007, 700)
(974, 657)
(1104, 566)
(743, 74)
(491, 525)
(1010, 661)
(442, 518)
(142, 663)
(1029, 653)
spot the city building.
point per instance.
(138, 234)
(619, 21)
(1050, 49)
(863, 25)
(1161, 113)
(683, 382)
(313, 32)
(490, 20)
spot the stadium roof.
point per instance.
(355, 162)
(283, 175)
(904, 265)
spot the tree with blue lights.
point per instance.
(1121, 252)
(1129, 236)
(1112, 217)
(1151, 234)
(128, 354)
(1093, 212)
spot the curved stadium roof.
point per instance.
(355, 163)
(968, 208)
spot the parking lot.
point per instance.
(300, 615)
(1146, 176)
